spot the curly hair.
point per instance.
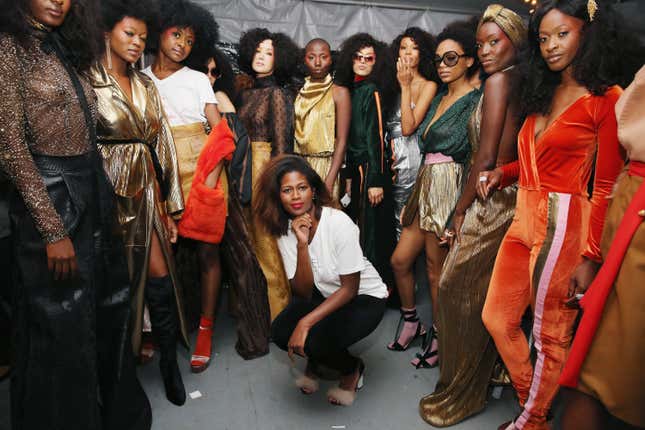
(463, 32)
(383, 74)
(268, 205)
(78, 33)
(427, 47)
(607, 55)
(186, 14)
(287, 54)
(225, 81)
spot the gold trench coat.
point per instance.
(129, 166)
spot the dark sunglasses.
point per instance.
(214, 72)
(450, 59)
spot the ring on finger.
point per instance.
(483, 178)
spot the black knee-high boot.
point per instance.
(160, 296)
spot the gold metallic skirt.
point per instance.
(189, 141)
(468, 353)
(434, 196)
(265, 244)
(321, 163)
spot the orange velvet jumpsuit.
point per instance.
(555, 225)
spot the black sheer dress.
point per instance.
(266, 110)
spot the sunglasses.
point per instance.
(367, 59)
(214, 72)
(450, 59)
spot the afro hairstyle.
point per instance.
(427, 47)
(383, 74)
(113, 11)
(187, 14)
(287, 55)
(464, 33)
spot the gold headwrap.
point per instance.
(510, 23)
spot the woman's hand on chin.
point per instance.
(301, 225)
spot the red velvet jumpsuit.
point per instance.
(555, 225)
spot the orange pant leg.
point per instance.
(554, 227)
(565, 232)
(508, 297)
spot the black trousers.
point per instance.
(329, 339)
(376, 224)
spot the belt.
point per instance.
(163, 184)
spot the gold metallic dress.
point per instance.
(128, 132)
(315, 130)
(266, 110)
(468, 353)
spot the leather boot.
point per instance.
(160, 296)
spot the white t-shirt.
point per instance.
(184, 95)
(334, 250)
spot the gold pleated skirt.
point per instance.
(189, 141)
(321, 163)
(468, 353)
(265, 244)
(434, 196)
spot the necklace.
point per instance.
(38, 25)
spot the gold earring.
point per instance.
(108, 53)
(592, 7)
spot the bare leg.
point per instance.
(157, 267)
(409, 247)
(435, 257)
(407, 250)
(211, 276)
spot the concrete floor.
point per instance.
(260, 394)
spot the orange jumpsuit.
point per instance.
(555, 224)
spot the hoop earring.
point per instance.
(108, 53)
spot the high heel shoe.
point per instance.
(429, 358)
(159, 293)
(308, 381)
(408, 316)
(339, 397)
(201, 358)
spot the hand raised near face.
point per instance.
(403, 71)
(301, 226)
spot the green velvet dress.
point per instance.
(368, 166)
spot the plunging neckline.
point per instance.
(139, 113)
(443, 115)
(548, 127)
(432, 123)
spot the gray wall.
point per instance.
(333, 21)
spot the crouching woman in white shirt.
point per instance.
(339, 297)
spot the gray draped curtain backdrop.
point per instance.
(336, 20)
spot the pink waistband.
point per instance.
(436, 158)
